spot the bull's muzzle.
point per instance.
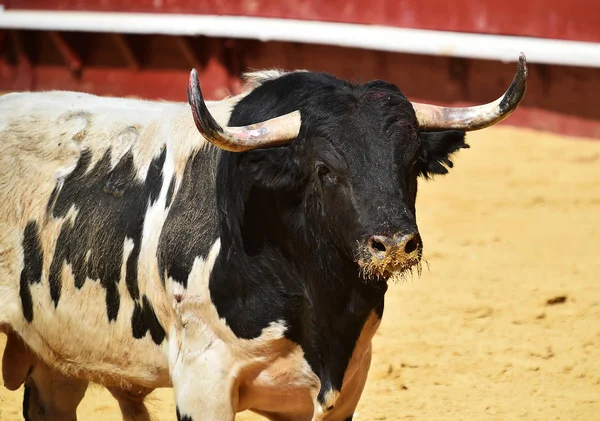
(386, 257)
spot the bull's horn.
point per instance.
(275, 132)
(432, 117)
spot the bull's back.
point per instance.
(73, 191)
(42, 136)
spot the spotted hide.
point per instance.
(85, 186)
(245, 267)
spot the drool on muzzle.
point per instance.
(387, 256)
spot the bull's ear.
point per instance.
(273, 169)
(436, 150)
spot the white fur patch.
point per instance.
(200, 274)
(256, 78)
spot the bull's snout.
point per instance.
(405, 246)
(386, 257)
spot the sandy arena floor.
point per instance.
(505, 324)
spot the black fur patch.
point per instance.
(436, 150)
(279, 258)
(144, 319)
(26, 403)
(289, 230)
(32, 267)
(111, 206)
(170, 192)
(191, 226)
(138, 325)
(121, 176)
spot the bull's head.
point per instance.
(352, 155)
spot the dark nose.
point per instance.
(408, 244)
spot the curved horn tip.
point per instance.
(516, 91)
(192, 81)
(432, 117)
(204, 121)
(194, 85)
(521, 75)
(522, 65)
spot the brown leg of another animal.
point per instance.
(17, 361)
(32, 407)
(50, 396)
(131, 403)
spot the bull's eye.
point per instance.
(322, 170)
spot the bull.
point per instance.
(238, 253)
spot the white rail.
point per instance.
(372, 37)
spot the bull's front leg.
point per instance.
(202, 373)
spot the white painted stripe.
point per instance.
(372, 37)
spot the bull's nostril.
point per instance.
(411, 245)
(377, 245)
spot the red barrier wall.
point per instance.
(574, 19)
(559, 98)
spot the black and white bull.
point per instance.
(239, 253)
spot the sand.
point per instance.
(505, 323)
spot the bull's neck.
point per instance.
(271, 273)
